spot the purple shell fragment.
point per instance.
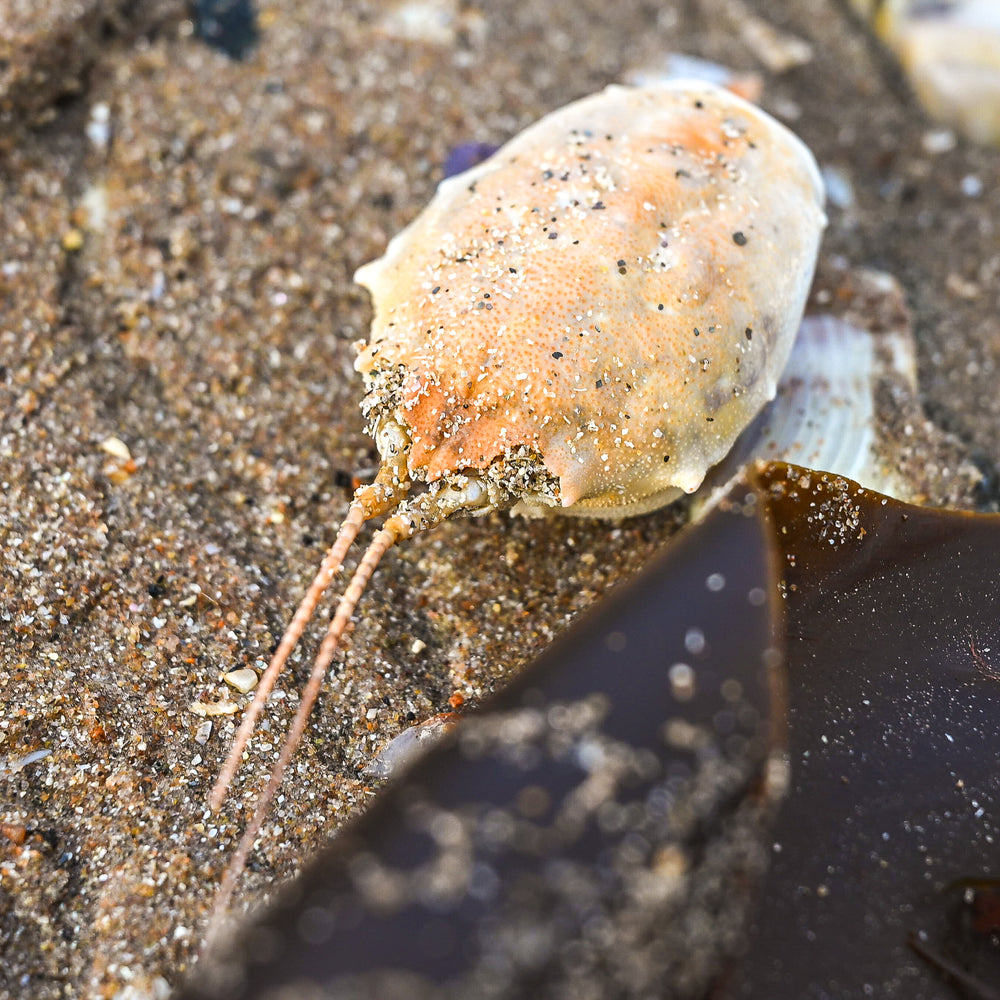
(466, 155)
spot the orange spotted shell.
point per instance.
(614, 293)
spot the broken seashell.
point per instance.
(407, 746)
(847, 403)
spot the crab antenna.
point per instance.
(369, 501)
(395, 529)
(428, 510)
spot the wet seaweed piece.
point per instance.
(227, 25)
(593, 833)
(893, 659)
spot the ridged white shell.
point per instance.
(823, 415)
(847, 404)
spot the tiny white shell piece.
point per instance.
(616, 290)
(15, 764)
(680, 66)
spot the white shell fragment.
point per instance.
(594, 314)
(824, 413)
(848, 404)
(826, 416)
(407, 746)
(670, 66)
(204, 708)
(13, 765)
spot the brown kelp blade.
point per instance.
(887, 848)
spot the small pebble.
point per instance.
(98, 129)
(432, 22)
(244, 680)
(72, 240)
(971, 185)
(961, 287)
(938, 140)
(778, 50)
(839, 190)
(16, 833)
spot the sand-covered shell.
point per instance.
(602, 306)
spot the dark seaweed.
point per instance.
(893, 660)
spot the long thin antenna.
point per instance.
(369, 501)
(395, 529)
